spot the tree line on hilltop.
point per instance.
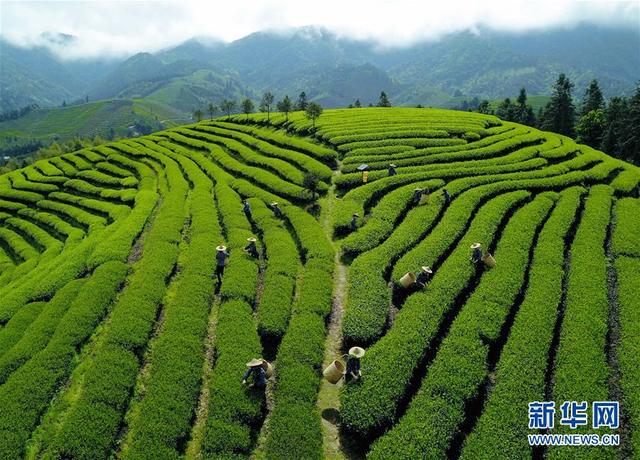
(612, 127)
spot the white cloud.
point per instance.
(118, 28)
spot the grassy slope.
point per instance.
(88, 120)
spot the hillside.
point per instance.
(117, 341)
(483, 63)
(89, 120)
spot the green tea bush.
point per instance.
(163, 417)
(15, 327)
(370, 405)
(295, 427)
(17, 244)
(34, 336)
(628, 275)
(317, 151)
(380, 223)
(104, 180)
(520, 373)
(28, 391)
(125, 195)
(93, 420)
(581, 371)
(438, 409)
(33, 174)
(274, 308)
(234, 409)
(113, 170)
(277, 166)
(301, 160)
(626, 237)
(47, 168)
(67, 168)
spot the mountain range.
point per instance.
(332, 70)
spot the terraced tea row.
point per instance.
(429, 371)
(116, 340)
(116, 334)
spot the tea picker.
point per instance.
(276, 210)
(221, 260)
(258, 369)
(392, 170)
(353, 364)
(354, 222)
(365, 174)
(417, 195)
(251, 248)
(246, 208)
(423, 276)
(336, 371)
(447, 197)
(477, 255)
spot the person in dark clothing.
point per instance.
(392, 170)
(255, 369)
(447, 197)
(251, 248)
(221, 261)
(246, 207)
(354, 222)
(276, 210)
(476, 254)
(352, 371)
(423, 276)
(417, 195)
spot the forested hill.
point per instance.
(333, 71)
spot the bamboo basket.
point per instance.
(408, 280)
(334, 372)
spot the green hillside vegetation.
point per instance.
(196, 90)
(116, 341)
(536, 102)
(334, 70)
(89, 120)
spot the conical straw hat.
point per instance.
(251, 239)
(392, 165)
(255, 362)
(275, 203)
(356, 352)
(221, 248)
(476, 245)
(426, 269)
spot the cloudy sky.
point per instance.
(120, 28)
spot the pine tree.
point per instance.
(357, 104)
(630, 145)
(616, 114)
(313, 112)
(211, 109)
(559, 114)
(384, 100)
(285, 106)
(227, 106)
(265, 104)
(247, 107)
(593, 99)
(506, 110)
(591, 127)
(524, 112)
(197, 114)
(302, 102)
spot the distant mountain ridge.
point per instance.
(332, 70)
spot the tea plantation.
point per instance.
(117, 342)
